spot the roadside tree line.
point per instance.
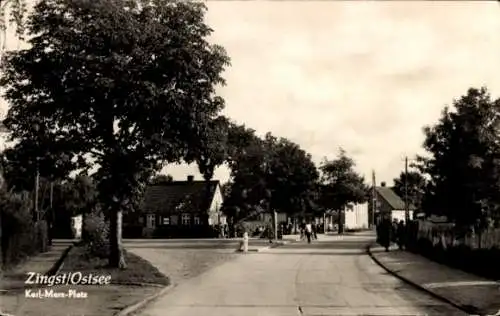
(459, 174)
(113, 90)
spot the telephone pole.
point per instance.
(37, 183)
(374, 198)
(407, 208)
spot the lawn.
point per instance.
(138, 270)
(101, 300)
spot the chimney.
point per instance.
(382, 184)
(190, 178)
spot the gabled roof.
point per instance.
(190, 196)
(394, 200)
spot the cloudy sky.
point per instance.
(365, 76)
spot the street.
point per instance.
(331, 276)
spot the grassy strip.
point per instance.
(138, 270)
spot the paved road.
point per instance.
(215, 243)
(332, 276)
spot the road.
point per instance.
(332, 276)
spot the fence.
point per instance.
(448, 236)
(475, 253)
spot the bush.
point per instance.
(96, 235)
(132, 231)
(21, 236)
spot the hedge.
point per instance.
(21, 236)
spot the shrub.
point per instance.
(21, 237)
(96, 235)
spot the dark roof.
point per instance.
(394, 200)
(191, 195)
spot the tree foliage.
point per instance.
(270, 173)
(415, 185)
(128, 84)
(464, 166)
(340, 183)
(161, 179)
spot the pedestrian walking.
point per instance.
(302, 231)
(394, 231)
(385, 233)
(315, 231)
(401, 234)
(308, 232)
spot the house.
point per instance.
(356, 216)
(76, 226)
(388, 202)
(180, 209)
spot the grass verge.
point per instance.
(138, 270)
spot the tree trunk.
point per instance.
(340, 223)
(116, 254)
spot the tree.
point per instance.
(271, 174)
(161, 179)
(464, 160)
(341, 185)
(415, 184)
(127, 84)
(291, 176)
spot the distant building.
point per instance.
(388, 202)
(179, 209)
(356, 216)
(76, 226)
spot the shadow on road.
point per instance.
(315, 253)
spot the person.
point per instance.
(394, 232)
(302, 231)
(315, 231)
(401, 234)
(308, 232)
(385, 233)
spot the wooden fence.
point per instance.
(449, 236)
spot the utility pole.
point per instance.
(51, 193)
(37, 182)
(407, 209)
(374, 198)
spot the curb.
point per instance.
(273, 245)
(140, 284)
(132, 308)
(59, 263)
(466, 309)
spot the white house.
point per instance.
(356, 216)
(76, 226)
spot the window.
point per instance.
(197, 220)
(186, 219)
(151, 220)
(166, 220)
(174, 219)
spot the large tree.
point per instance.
(413, 184)
(127, 84)
(291, 176)
(341, 185)
(464, 160)
(271, 174)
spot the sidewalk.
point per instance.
(41, 263)
(473, 294)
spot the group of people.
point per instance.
(308, 230)
(388, 232)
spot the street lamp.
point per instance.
(407, 205)
(36, 127)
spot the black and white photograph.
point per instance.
(249, 158)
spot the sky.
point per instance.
(364, 76)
